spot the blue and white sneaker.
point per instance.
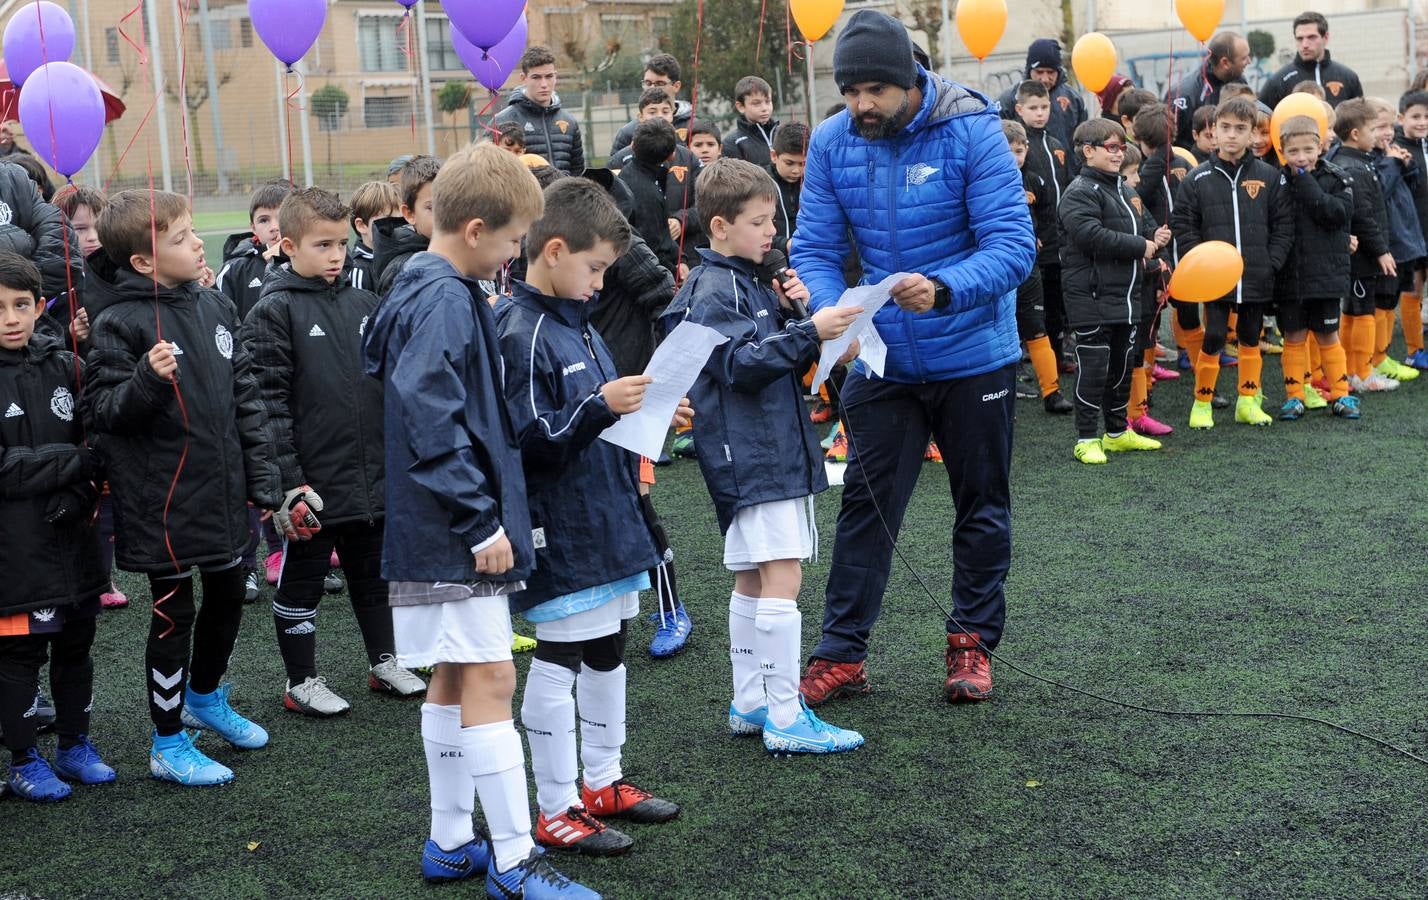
(439, 866)
(809, 734)
(36, 781)
(212, 712)
(743, 724)
(175, 758)
(1418, 359)
(534, 878)
(82, 763)
(671, 632)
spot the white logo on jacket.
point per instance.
(62, 404)
(6, 216)
(919, 173)
(316, 331)
(362, 326)
(14, 411)
(572, 368)
(224, 340)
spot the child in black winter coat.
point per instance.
(645, 176)
(175, 407)
(1046, 158)
(370, 202)
(49, 545)
(246, 254)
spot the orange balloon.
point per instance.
(1297, 105)
(815, 17)
(1207, 273)
(981, 24)
(1200, 17)
(1094, 61)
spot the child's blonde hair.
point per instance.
(374, 200)
(484, 182)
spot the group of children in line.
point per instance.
(1334, 239)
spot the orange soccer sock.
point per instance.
(1043, 360)
(1207, 372)
(1194, 339)
(1360, 347)
(1296, 366)
(1410, 314)
(1137, 407)
(1336, 370)
(1382, 334)
(1251, 365)
(1316, 363)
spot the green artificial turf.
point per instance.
(1255, 569)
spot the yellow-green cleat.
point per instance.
(1128, 440)
(1249, 412)
(1202, 415)
(1090, 452)
(1313, 399)
(1392, 368)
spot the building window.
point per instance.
(386, 112)
(378, 45)
(111, 45)
(440, 54)
(245, 33)
(221, 33)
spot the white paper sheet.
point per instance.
(871, 298)
(674, 367)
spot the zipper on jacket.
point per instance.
(1135, 230)
(908, 327)
(1235, 202)
(1050, 161)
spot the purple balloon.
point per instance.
(63, 114)
(492, 67)
(24, 50)
(484, 22)
(288, 27)
(407, 4)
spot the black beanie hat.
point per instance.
(874, 46)
(1043, 53)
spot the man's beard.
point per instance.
(885, 126)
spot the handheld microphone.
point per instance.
(775, 268)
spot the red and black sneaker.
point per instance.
(822, 412)
(828, 680)
(623, 800)
(969, 669)
(576, 831)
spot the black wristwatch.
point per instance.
(942, 295)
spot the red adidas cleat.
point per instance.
(623, 800)
(828, 680)
(969, 669)
(576, 831)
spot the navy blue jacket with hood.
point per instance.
(1067, 108)
(453, 465)
(750, 393)
(584, 493)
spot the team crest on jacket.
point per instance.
(682, 134)
(1060, 154)
(918, 173)
(1253, 187)
(1030, 198)
(44, 615)
(1139, 209)
(5, 214)
(1334, 87)
(1064, 101)
(562, 125)
(224, 340)
(62, 404)
(679, 172)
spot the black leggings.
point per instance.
(1217, 324)
(1103, 365)
(71, 680)
(603, 654)
(1031, 308)
(213, 630)
(1187, 315)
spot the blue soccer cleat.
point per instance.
(534, 878)
(809, 734)
(439, 866)
(212, 712)
(35, 780)
(82, 763)
(1182, 360)
(1292, 409)
(1418, 359)
(175, 758)
(1347, 407)
(742, 724)
(671, 632)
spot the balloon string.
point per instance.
(183, 95)
(288, 105)
(689, 135)
(759, 45)
(404, 28)
(140, 48)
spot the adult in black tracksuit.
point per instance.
(1339, 82)
(1225, 63)
(325, 415)
(1046, 156)
(49, 542)
(245, 265)
(394, 241)
(549, 131)
(1108, 239)
(169, 516)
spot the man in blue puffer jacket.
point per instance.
(918, 169)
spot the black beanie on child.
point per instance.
(874, 47)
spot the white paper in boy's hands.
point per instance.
(871, 298)
(675, 366)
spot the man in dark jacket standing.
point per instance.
(550, 131)
(1311, 62)
(1043, 64)
(944, 202)
(1228, 59)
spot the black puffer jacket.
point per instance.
(1339, 82)
(143, 432)
(1047, 157)
(34, 229)
(683, 115)
(549, 131)
(241, 278)
(1068, 109)
(786, 213)
(393, 243)
(1160, 175)
(324, 414)
(1040, 203)
(1104, 229)
(649, 214)
(751, 141)
(43, 465)
(1318, 266)
(1419, 149)
(680, 173)
(1198, 88)
(1370, 223)
(362, 267)
(1245, 204)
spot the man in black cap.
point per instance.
(916, 177)
(1043, 64)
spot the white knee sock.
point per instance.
(493, 753)
(743, 653)
(601, 697)
(453, 793)
(779, 631)
(548, 713)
